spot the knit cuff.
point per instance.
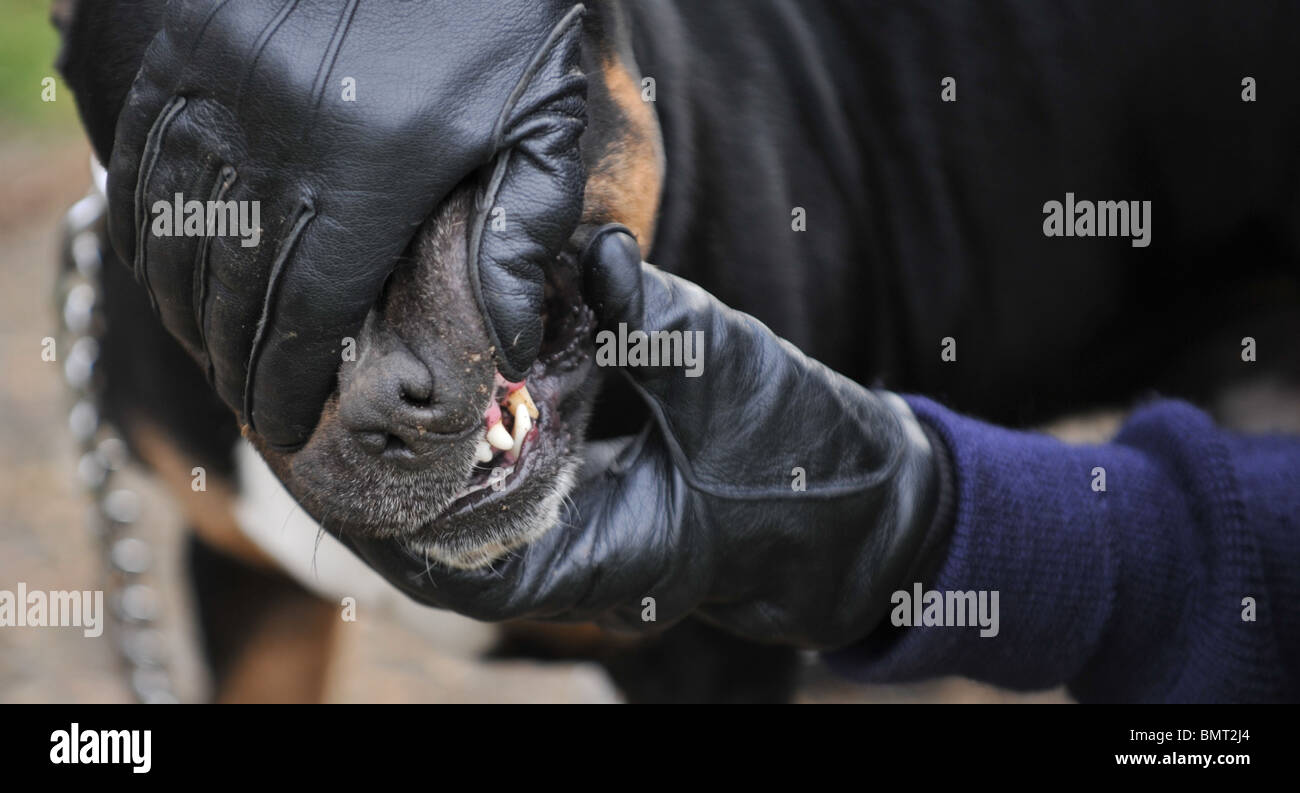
(1048, 535)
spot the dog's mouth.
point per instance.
(423, 442)
(532, 424)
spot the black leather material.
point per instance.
(245, 102)
(704, 511)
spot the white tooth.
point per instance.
(498, 437)
(522, 425)
(483, 452)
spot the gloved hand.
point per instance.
(771, 496)
(246, 102)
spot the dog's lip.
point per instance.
(522, 469)
(407, 459)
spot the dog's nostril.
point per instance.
(417, 395)
(403, 379)
(393, 408)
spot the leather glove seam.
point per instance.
(482, 206)
(225, 180)
(255, 54)
(487, 198)
(534, 66)
(303, 217)
(341, 29)
(152, 151)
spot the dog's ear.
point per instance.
(623, 145)
(103, 45)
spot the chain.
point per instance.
(134, 605)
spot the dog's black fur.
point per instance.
(923, 217)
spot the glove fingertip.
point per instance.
(611, 264)
(516, 355)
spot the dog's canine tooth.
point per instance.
(483, 452)
(522, 425)
(518, 395)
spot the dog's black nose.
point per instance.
(394, 407)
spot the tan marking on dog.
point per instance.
(210, 512)
(628, 182)
(287, 650)
(286, 658)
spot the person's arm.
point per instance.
(785, 503)
(1137, 592)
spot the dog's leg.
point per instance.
(265, 638)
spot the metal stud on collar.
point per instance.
(126, 559)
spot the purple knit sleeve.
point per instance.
(1178, 581)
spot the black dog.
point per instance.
(874, 182)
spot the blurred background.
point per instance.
(46, 528)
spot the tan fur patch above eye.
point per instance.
(627, 183)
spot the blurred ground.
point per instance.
(44, 541)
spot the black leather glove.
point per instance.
(704, 512)
(245, 102)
